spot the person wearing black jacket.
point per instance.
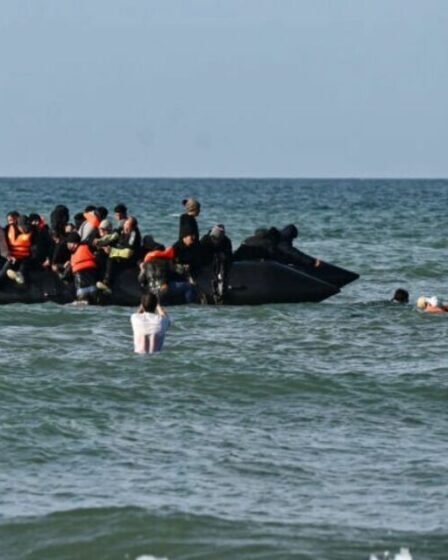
(260, 246)
(286, 252)
(187, 222)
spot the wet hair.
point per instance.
(78, 219)
(149, 302)
(120, 209)
(401, 296)
(102, 212)
(34, 218)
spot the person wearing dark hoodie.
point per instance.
(215, 242)
(260, 246)
(59, 218)
(286, 253)
(43, 241)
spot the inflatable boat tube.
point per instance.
(330, 273)
(251, 282)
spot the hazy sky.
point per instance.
(286, 88)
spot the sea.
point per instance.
(314, 431)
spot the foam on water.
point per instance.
(404, 554)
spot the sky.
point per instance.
(224, 88)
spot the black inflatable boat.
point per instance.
(251, 283)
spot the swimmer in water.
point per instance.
(431, 305)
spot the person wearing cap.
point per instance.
(21, 245)
(149, 325)
(124, 253)
(214, 242)
(121, 215)
(103, 244)
(431, 305)
(187, 222)
(216, 250)
(83, 267)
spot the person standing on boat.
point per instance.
(187, 223)
(149, 325)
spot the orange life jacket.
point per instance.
(92, 218)
(19, 243)
(82, 259)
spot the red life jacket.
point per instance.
(82, 259)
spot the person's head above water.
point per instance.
(401, 296)
(423, 302)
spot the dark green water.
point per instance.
(312, 431)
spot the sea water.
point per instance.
(305, 431)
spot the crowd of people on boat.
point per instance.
(94, 248)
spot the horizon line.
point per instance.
(234, 177)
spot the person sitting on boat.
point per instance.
(121, 215)
(4, 254)
(184, 256)
(154, 274)
(124, 253)
(21, 243)
(285, 251)
(60, 254)
(216, 250)
(59, 218)
(88, 230)
(103, 244)
(260, 246)
(431, 305)
(43, 240)
(149, 325)
(83, 267)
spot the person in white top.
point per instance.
(149, 325)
